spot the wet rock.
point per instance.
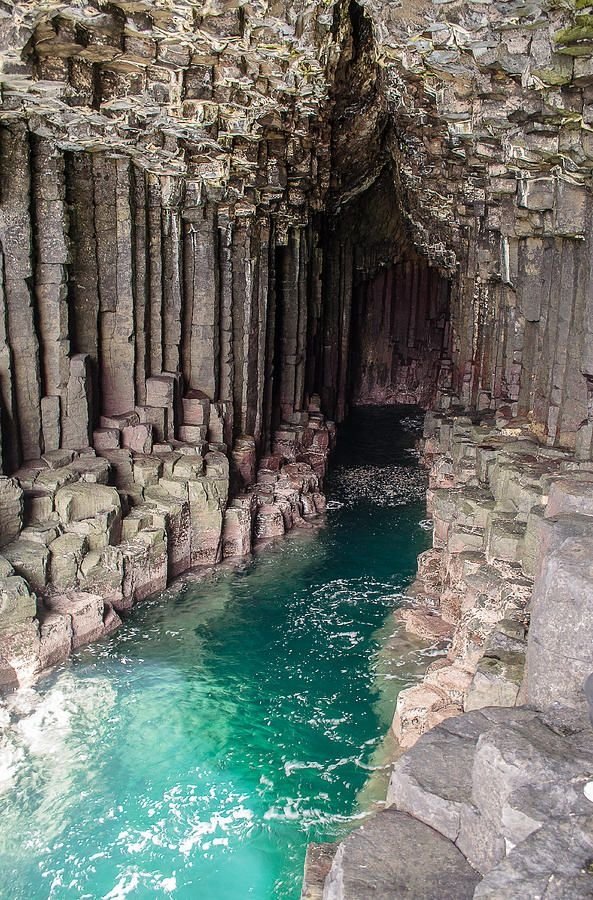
(238, 528)
(426, 624)
(419, 709)
(55, 631)
(318, 863)
(269, 521)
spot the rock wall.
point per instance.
(363, 201)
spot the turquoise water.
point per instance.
(231, 721)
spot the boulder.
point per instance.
(395, 856)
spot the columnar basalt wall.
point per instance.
(163, 172)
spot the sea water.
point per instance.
(233, 718)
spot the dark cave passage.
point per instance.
(399, 334)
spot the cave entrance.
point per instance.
(385, 307)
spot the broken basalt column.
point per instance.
(118, 527)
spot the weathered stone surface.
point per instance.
(11, 510)
(269, 521)
(30, 560)
(19, 654)
(174, 517)
(82, 501)
(418, 709)
(55, 630)
(66, 556)
(513, 756)
(137, 438)
(85, 611)
(554, 862)
(106, 439)
(92, 470)
(561, 625)
(237, 529)
(318, 863)
(433, 779)
(362, 870)
(425, 623)
(17, 603)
